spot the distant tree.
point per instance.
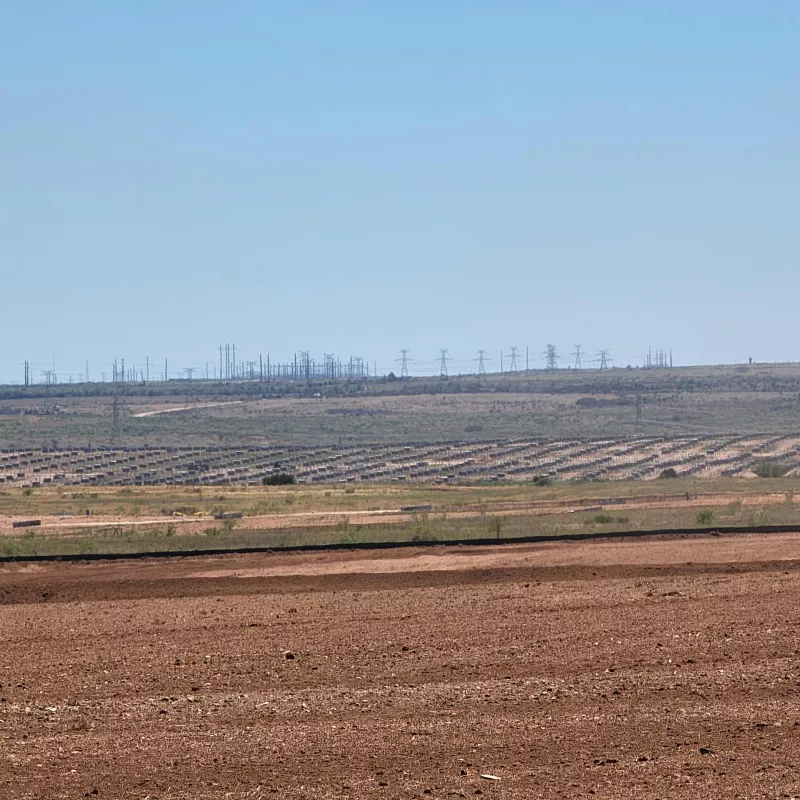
(669, 472)
(279, 479)
(771, 470)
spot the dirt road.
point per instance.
(613, 670)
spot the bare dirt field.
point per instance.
(656, 668)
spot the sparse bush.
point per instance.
(733, 508)
(669, 472)
(228, 525)
(705, 516)
(771, 469)
(11, 548)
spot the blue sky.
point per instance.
(357, 177)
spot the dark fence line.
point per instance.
(308, 548)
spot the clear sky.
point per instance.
(357, 177)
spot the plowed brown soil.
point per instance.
(654, 668)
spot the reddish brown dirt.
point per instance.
(617, 670)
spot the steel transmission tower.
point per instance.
(604, 358)
(577, 354)
(482, 359)
(513, 356)
(443, 359)
(551, 357)
(404, 359)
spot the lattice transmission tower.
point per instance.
(605, 358)
(513, 357)
(404, 359)
(577, 354)
(443, 359)
(482, 359)
(551, 357)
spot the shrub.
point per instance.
(602, 519)
(543, 480)
(228, 525)
(771, 470)
(669, 472)
(705, 516)
(279, 479)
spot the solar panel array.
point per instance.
(432, 462)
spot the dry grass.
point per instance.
(457, 513)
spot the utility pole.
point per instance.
(116, 428)
(305, 363)
(513, 367)
(527, 362)
(166, 371)
(147, 369)
(330, 365)
(577, 354)
(481, 359)
(189, 375)
(443, 359)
